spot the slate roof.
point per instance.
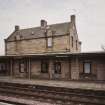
(36, 32)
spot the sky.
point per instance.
(90, 18)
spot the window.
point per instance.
(87, 67)
(49, 42)
(72, 41)
(76, 45)
(57, 67)
(44, 67)
(2, 67)
(22, 66)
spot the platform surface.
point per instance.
(2, 103)
(55, 83)
(23, 101)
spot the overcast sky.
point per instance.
(90, 18)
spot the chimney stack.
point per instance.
(17, 28)
(43, 23)
(73, 18)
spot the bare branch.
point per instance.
(103, 47)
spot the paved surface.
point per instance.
(67, 84)
(1, 103)
(24, 101)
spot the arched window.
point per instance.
(44, 67)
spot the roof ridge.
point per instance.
(58, 23)
(29, 28)
(47, 25)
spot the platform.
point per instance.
(22, 101)
(55, 83)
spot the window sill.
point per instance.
(43, 73)
(88, 76)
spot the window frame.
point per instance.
(49, 42)
(24, 63)
(90, 69)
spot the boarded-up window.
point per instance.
(44, 67)
(87, 67)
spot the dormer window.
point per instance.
(49, 42)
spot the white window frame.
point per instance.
(87, 67)
(49, 42)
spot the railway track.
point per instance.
(62, 96)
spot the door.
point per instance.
(23, 68)
(57, 70)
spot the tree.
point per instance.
(103, 47)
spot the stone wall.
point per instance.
(36, 46)
(16, 72)
(100, 70)
(75, 69)
(10, 48)
(97, 70)
(36, 70)
(60, 44)
(65, 70)
(70, 69)
(76, 44)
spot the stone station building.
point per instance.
(50, 52)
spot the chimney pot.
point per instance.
(43, 23)
(17, 28)
(80, 42)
